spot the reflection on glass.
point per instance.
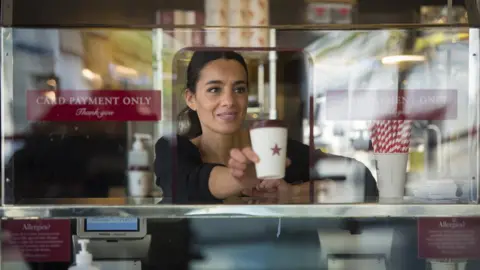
(90, 157)
(433, 59)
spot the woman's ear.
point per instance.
(190, 99)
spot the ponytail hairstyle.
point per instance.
(188, 121)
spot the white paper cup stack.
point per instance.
(391, 142)
(238, 16)
(258, 15)
(216, 14)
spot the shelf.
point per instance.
(274, 211)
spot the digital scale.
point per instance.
(115, 242)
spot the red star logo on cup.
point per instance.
(276, 150)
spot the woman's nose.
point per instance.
(227, 98)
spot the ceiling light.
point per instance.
(396, 59)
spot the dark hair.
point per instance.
(188, 121)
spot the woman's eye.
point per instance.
(214, 90)
(240, 89)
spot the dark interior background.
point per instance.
(128, 13)
(142, 12)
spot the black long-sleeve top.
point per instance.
(184, 177)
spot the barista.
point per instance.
(213, 160)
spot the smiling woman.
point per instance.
(215, 66)
(212, 160)
(217, 91)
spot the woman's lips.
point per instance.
(227, 116)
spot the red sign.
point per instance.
(386, 104)
(93, 105)
(37, 240)
(449, 238)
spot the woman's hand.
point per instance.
(241, 165)
(271, 191)
(279, 191)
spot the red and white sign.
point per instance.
(94, 105)
(388, 104)
(37, 240)
(449, 238)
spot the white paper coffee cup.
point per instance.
(391, 174)
(269, 142)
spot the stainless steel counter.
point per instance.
(285, 211)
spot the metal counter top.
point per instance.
(275, 211)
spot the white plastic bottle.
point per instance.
(140, 181)
(83, 260)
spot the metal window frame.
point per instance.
(6, 85)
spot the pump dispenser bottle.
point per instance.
(83, 260)
(140, 177)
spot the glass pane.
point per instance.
(260, 243)
(63, 156)
(330, 94)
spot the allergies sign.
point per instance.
(94, 105)
(449, 238)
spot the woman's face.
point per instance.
(221, 97)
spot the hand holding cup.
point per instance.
(241, 166)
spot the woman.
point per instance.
(213, 161)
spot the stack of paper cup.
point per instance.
(391, 141)
(189, 20)
(269, 142)
(216, 14)
(258, 15)
(179, 34)
(237, 16)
